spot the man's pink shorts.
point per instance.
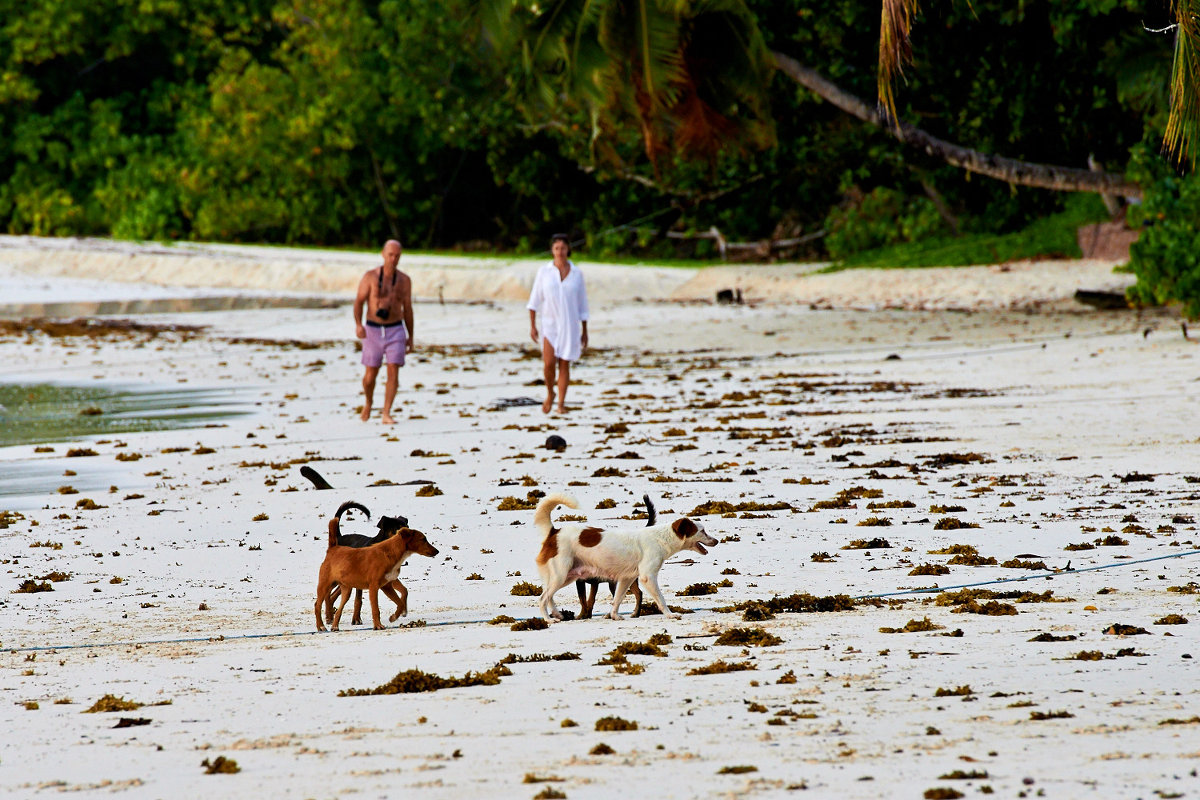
(383, 341)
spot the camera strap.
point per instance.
(379, 288)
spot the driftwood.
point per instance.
(763, 249)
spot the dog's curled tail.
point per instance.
(349, 504)
(541, 517)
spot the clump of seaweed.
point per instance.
(502, 619)
(428, 490)
(723, 507)
(820, 558)
(953, 459)
(875, 522)
(8, 518)
(801, 603)
(1050, 637)
(787, 677)
(701, 589)
(867, 544)
(967, 595)
(513, 658)
(620, 653)
(955, 550)
(748, 637)
(513, 504)
(1120, 629)
(739, 769)
(845, 498)
(1174, 721)
(757, 612)
(411, 681)
(719, 666)
(1171, 619)
(935, 509)
(1016, 563)
(914, 626)
(601, 750)
(991, 608)
(973, 560)
(525, 589)
(1042, 715)
(1097, 655)
(952, 524)
(112, 703)
(961, 775)
(892, 504)
(930, 569)
(1080, 546)
(616, 724)
(942, 793)
(220, 766)
(958, 691)
(608, 472)
(532, 778)
(32, 586)
(531, 624)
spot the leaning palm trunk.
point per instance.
(1023, 173)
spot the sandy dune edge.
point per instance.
(1020, 285)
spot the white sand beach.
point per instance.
(935, 410)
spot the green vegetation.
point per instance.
(254, 120)
(1051, 237)
(1166, 257)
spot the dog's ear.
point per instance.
(684, 527)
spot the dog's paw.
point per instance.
(676, 616)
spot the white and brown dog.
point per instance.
(575, 552)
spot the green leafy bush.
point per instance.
(882, 217)
(1166, 257)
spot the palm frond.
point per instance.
(895, 49)
(1182, 136)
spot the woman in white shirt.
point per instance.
(560, 296)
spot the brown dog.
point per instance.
(388, 527)
(373, 568)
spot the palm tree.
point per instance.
(688, 74)
(692, 75)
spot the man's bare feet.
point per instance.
(549, 401)
(366, 413)
(561, 409)
(387, 419)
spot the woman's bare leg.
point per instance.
(548, 362)
(564, 378)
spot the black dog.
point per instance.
(388, 526)
(588, 599)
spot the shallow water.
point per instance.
(33, 413)
(44, 412)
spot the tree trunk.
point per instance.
(1024, 173)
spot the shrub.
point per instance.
(1166, 257)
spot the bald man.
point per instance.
(387, 333)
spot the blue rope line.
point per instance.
(445, 623)
(998, 581)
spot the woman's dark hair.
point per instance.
(561, 237)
